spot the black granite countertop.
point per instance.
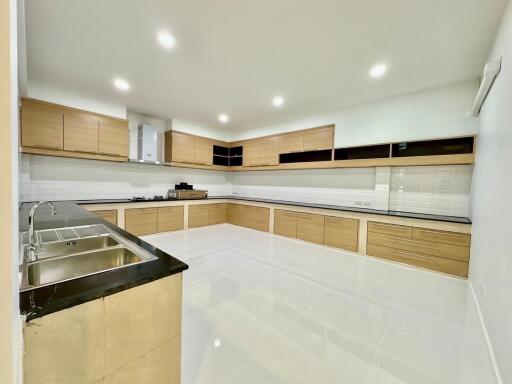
(55, 297)
(412, 215)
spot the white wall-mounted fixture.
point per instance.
(491, 70)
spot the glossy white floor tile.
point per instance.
(260, 308)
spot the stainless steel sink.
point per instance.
(62, 248)
(74, 252)
(65, 268)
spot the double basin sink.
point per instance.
(74, 252)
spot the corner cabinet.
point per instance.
(56, 130)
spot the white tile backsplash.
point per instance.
(442, 190)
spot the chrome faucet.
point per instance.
(34, 246)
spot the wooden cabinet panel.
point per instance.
(170, 219)
(290, 143)
(448, 251)
(341, 233)
(318, 139)
(203, 151)
(113, 137)
(310, 228)
(141, 221)
(390, 229)
(80, 132)
(261, 152)
(440, 264)
(182, 148)
(218, 213)
(108, 215)
(461, 239)
(41, 126)
(285, 223)
(198, 215)
(255, 217)
(234, 214)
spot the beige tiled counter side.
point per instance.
(363, 218)
(133, 336)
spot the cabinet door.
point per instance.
(182, 148)
(108, 215)
(80, 132)
(341, 233)
(251, 156)
(41, 126)
(234, 213)
(218, 213)
(113, 137)
(254, 217)
(318, 139)
(261, 152)
(285, 223)
(310, 228)
(141, 221)
(198, 215)
(203, 151)
(170, 219)
(290, 143)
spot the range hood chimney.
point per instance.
(147, 143)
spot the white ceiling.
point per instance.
(233, 56)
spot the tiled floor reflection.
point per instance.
(264, 309)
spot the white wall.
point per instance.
(491, 245)
(438, 112)
(56, 178)
(72, 99)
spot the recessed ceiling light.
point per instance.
(378, 70)
(223, 118)
(122, 84)
(278, 101)
(166, 40)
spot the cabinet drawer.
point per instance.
(141, 221)
(440, 264)
(285, 223)
(455, 238)
(198, 215)
(341, 233)
(390, 229)
(170, 219)
(448, 251)
(108, 215)
(310, 227)
(218, 213)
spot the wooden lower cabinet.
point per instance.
(218, 213)
(141, 221)
(439, 264)
(108, 215)
(341, 233)
(249, 216)
(285, 223)
(310, 227)
(198, 215)
(170, 219)
(129, 337)
(441, 251)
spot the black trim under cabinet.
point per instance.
(305, 157)
(456, 146)
(367, 152)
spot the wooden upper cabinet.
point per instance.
(261, 152)
(80, 132)
(113, 137)
(182, 148)
(42, 126)
(203, 151)
(290, 143)
(318, 139)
